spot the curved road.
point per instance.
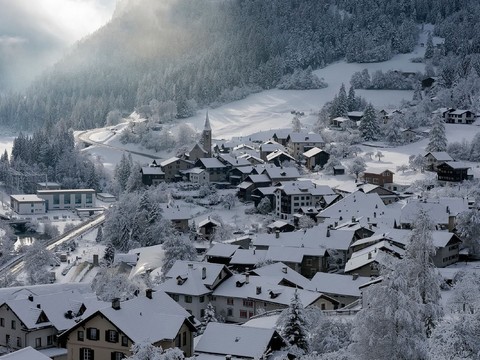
(85, 138)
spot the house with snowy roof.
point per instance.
(358, 204)
(298, 143)
(315, 157)
(178, 216)
(447, 248)
(110, 332)
(152, 174)
(287, 276)
(252, 182)
(453, 171)
(378, 176)
(370, 260)
(343, 288)
(173, 166)
(245, 259)
(229, 341)
(191, 283)
(278, 157)
(217, 171)
(457, 116)
(270, 147)
(242, 296)
(290, 196)
(221, 253)
(281, 136)
(31, 319)
(387, 196)
(206, 228)
(280, 226)
(237, 175)
(232, 161)
(436, 158)
(442, 211)
(282, 173)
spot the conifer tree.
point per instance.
(342, 102)
(429, 47)
(437, 138)
(99, 236)
(352, 100)
(109, 254)
(369, 126)
(294, 329)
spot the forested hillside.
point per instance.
(189, 53)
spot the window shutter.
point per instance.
(92, 355)
(81, 354)
(116, 336)
(112, 356)
(107, 337)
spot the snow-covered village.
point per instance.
(239, 180)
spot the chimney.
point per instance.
(39, 306)
(30, 297)
(355, 276)
(247, 278)
(204, 273)
(336, 223)
(369, 255)
(353, 218)
(149, 293)
(284, 269)
(374, 214)
(228, 357)
(116, 304)
(259, 290)
(277, 234)
(328, 232)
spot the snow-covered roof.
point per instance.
(212, 270)
(271, 146)
(312, 152)
(27, 198)
(295, 137)
(210, 163)
(442, 238)
(282, 271)
(259, 178)
(245, 169)
(152, 170)
(190, 283)
(237, 162)
(440, 156)
(208, 220)
(337, 284)
(169, 161)
(381, 253)
(355, 113)
(275, 172)
(195, 170)
(147, 320)
(176, 212)
(439, 210)
(356, 204)
(52, 308)
(264, 288)
(456, 165)
(235, 340)
(459, 112)
(305, 187)
(222, 250)
(377, 171)
(27, 353)
(278, 224)
(248, 256)
(274, 154)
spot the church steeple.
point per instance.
(207, 136)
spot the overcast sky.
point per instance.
(35, 33)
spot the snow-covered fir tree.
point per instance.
(351, 99)
(437, 138)
(422, 275)
(296, 124)
(392, 131)
(134, 181)
(123, 170)
(369, 125)
(208, 317)
(264, 206)
(99, 236)
(294, 327)
(468, 226)
(429, 50)
(147, 351)
(341, 104)
(391, 319)
(109, 254)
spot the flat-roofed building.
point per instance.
(27, 204)
(67, 198)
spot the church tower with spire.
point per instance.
(207, 137)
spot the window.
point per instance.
(229, 301)
(92, 334)
(116, 355)
(177, 341)
(50, 340)
(19, 342)
(56, 199)
(111, 336)
(38, 343)
(247, 303)
(202, 313)
(124, 340)
(66, 199)
(2, 322)
(309, 262)
(88, 198)
(229, 312)
(323, 306)
(7, 339)
(78, 199)
(80, 335)
(202, 299)
(188, 299)
(14, 325)
(184, 340)
(243, 314)
(86, 354)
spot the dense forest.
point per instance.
(194, 53)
